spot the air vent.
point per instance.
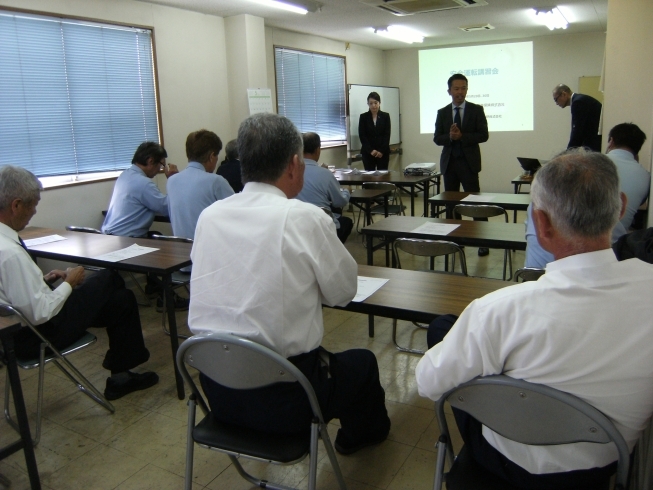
(410, 7)
(481, 27)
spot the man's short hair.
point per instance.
(311, 142)
(200, 144)
(628, 135)
(561, 88)
(579, 190)
(18, 183)
(147, 150)
(456, 76)
(231, 150)
(266, 145)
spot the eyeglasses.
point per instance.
(555, 99)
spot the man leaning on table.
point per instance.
(583, 328)
(263, 265)
(63, 314)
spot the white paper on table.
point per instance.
(475, 198)
(44, 239)
(435, 228)
(344, 171)
(367, 286)
(126, 253)
(375, 172)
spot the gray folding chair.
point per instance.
(241, 364)
(179, 279)
(395, 203)
(487, 211)
(48, 353)
(431, 249)
(525, 412)
(88, 229)
(528, 274)
(328, 211)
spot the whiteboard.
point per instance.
(358, 104)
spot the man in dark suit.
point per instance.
(585, 117)
(459, 128)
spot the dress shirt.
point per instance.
(21, 282)
(634, 181)
(263, 265)
(189, 193)
(322, 189)
(134, 202)
(583, 328)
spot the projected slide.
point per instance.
(500, 79)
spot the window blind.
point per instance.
(311, 92)
(75, 97)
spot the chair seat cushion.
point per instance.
(32, 362)
(282, 448)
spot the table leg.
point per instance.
(412, 200)
(174, 340)
(21, 413)
(370, 325)
(370, 251)
(426, 197)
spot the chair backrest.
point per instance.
(535, 414)
(528, 274)
(83, 229)
(327, 211)
(170, 238)
(429, 248)
(239, 363)
(481, 211)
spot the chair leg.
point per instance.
(312, 467)
(190, 443)
(83, 384)
(441, 447)
(332, 456)
(10, 421)
(140, 288)
(399, 347)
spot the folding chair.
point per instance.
(528, 274)
(524, 412)
(242, 364)
(487, 211)
(47, 354)
(179, 279)
(395, 203)
(432, 249)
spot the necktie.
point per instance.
(456, 147)
(22, 244)
(456, 118)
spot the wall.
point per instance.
(192, 72)
(557, 59)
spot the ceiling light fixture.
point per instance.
(283, 6)
(400, 33)
(553, 18)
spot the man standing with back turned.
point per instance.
(459, 128)
(263, 265)
(585, 117)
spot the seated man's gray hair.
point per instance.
(579, 190)
(18, 183)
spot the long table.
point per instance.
(420, 296)
(510, 202)
(410, 182)
(81, 248)
(490, 234)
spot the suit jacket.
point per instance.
(585, 118)
(474, 129)
(374, 137)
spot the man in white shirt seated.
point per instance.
(583, 328)
(322, 188)
(263, 265)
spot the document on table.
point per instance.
(44, 239)
(435, 228)
(375, 172)
(126, 253)
(367, 286)
(475, 198)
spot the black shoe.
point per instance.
(136, 382)
(482, 252)
(345, 447)
(181, 304)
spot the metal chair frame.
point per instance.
(393, 208)
(242, 364)
(426, 248)
(528, 413)
(60, 361)
(487, 211)
(528, 274)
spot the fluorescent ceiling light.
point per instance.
(283, 6)
(400, 33)
(553, 18)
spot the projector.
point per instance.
(420, 169)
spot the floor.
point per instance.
(142, 445)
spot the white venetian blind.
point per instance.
(75, 97)
(311, 92)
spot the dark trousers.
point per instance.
(459, 172)
(346, 225)
(348, 388)
(101, 301)
(373, 163)
(495, 462)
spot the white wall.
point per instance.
(557, 59)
